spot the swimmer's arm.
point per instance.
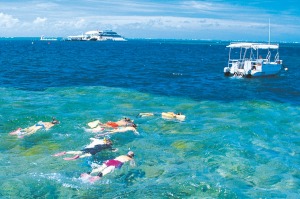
(132, 163)
(136, 132)
(85, 155)
(104, 134)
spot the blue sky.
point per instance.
(216, 19)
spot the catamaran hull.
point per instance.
(229, 72)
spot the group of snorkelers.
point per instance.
(97, 145)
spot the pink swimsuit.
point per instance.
(114, 163)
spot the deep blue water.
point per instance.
(173, 68)
(240, 139)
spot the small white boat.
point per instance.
(253, 60)
(43, 38)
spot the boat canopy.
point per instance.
(253, 45)
(93, 32)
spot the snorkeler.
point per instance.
(33, 129)
(108, 167)
(172, 115)
(93, 148)
(164, 115)
(96, 126)
(122, 129)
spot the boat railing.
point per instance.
(231, 62)
(277, 57)
(238, 63)
(268, 56)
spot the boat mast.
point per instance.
(269, 32)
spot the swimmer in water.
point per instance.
(97, 126)
(108, 167)
(122, 129)
(93, 148)
(172, 115)
(33, 129)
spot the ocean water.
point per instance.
(240, 139)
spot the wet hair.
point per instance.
(127, 119)
(54, 121)
(130, 154)
(131, 124)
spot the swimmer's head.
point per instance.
(107, 141)
(127, 119)
(130, 154)
(54, 121)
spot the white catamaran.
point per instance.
(253, 59)
(250, 61)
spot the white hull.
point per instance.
(47, 38)
(268, 69)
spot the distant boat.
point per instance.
(43, 38)
(95, 35)
(107, 35)
(253, 59)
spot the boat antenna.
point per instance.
(269, 32)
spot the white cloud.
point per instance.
(203, 6)
(7, 21)
(40, 20)
(79, 23)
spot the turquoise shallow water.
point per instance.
(240, 138)
(218, 152)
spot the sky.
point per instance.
(158, 19)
